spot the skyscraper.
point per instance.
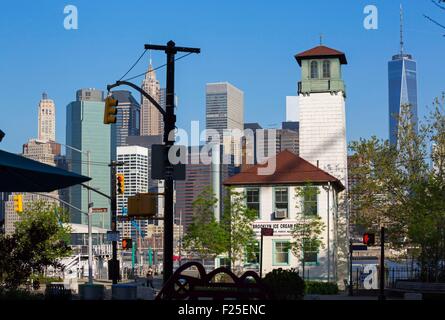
(85, 131)
(47, 119)
(225, 110)
(135, 173)
(44, 150)
(224, 107)
(127, 120)
(151, 118)
(402, 87)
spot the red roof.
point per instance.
(290, 169)
(321, 52)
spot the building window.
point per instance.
(253, 199)
(310, 252)
(255, 253)
(281, 198)
(326, 69)
(314, 70)
(281, 250)
(310, 203)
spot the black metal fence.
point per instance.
(399, 273)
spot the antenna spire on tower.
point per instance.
(401, 30)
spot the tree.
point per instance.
(403, 188)
(233, 235)
(237, 222)
(205, 236)
(39, 241)
(308, 228)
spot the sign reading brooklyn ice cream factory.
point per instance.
(279, 227)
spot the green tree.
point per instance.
(39, 241)
(205, 236)
(238, 224)
(233, 235)
(403, 189)
(308, 227)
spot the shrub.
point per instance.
(19, 294)
(318, 287)
(284, 284)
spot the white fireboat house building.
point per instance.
(275, 199)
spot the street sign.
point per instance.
(99, 210)
(267, 232)
(112, 235)
(359, 247)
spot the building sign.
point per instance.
(279, 227)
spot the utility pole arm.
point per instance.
(95, 190)
(145, 94)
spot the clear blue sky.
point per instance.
(248, 43)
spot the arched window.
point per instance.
(314, 70)
(326, 69)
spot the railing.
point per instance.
(98, 250)
(394, 275)
(321, 85)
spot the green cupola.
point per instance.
(321, 70)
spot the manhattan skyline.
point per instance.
(241, 43)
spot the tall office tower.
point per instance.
(250, 144)
(146, 142)
(45, 152)
(127, 120)
(85, 131)
(135, 173)
(225, 110)
(322, 110)
(198, 177)
(269, 142)
(402, 87)
(47, 119)
(290, 137)
(151, 118)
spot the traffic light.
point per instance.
(120, 183)
(110, 110)
(127, 244)
(18, 203)
(369, 239)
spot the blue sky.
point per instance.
(248, 43)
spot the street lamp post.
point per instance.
(90, 214)
(90, 207)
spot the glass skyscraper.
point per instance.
(85, 131)
(402, 86)
(127, 120)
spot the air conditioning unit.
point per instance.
(281, 214)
